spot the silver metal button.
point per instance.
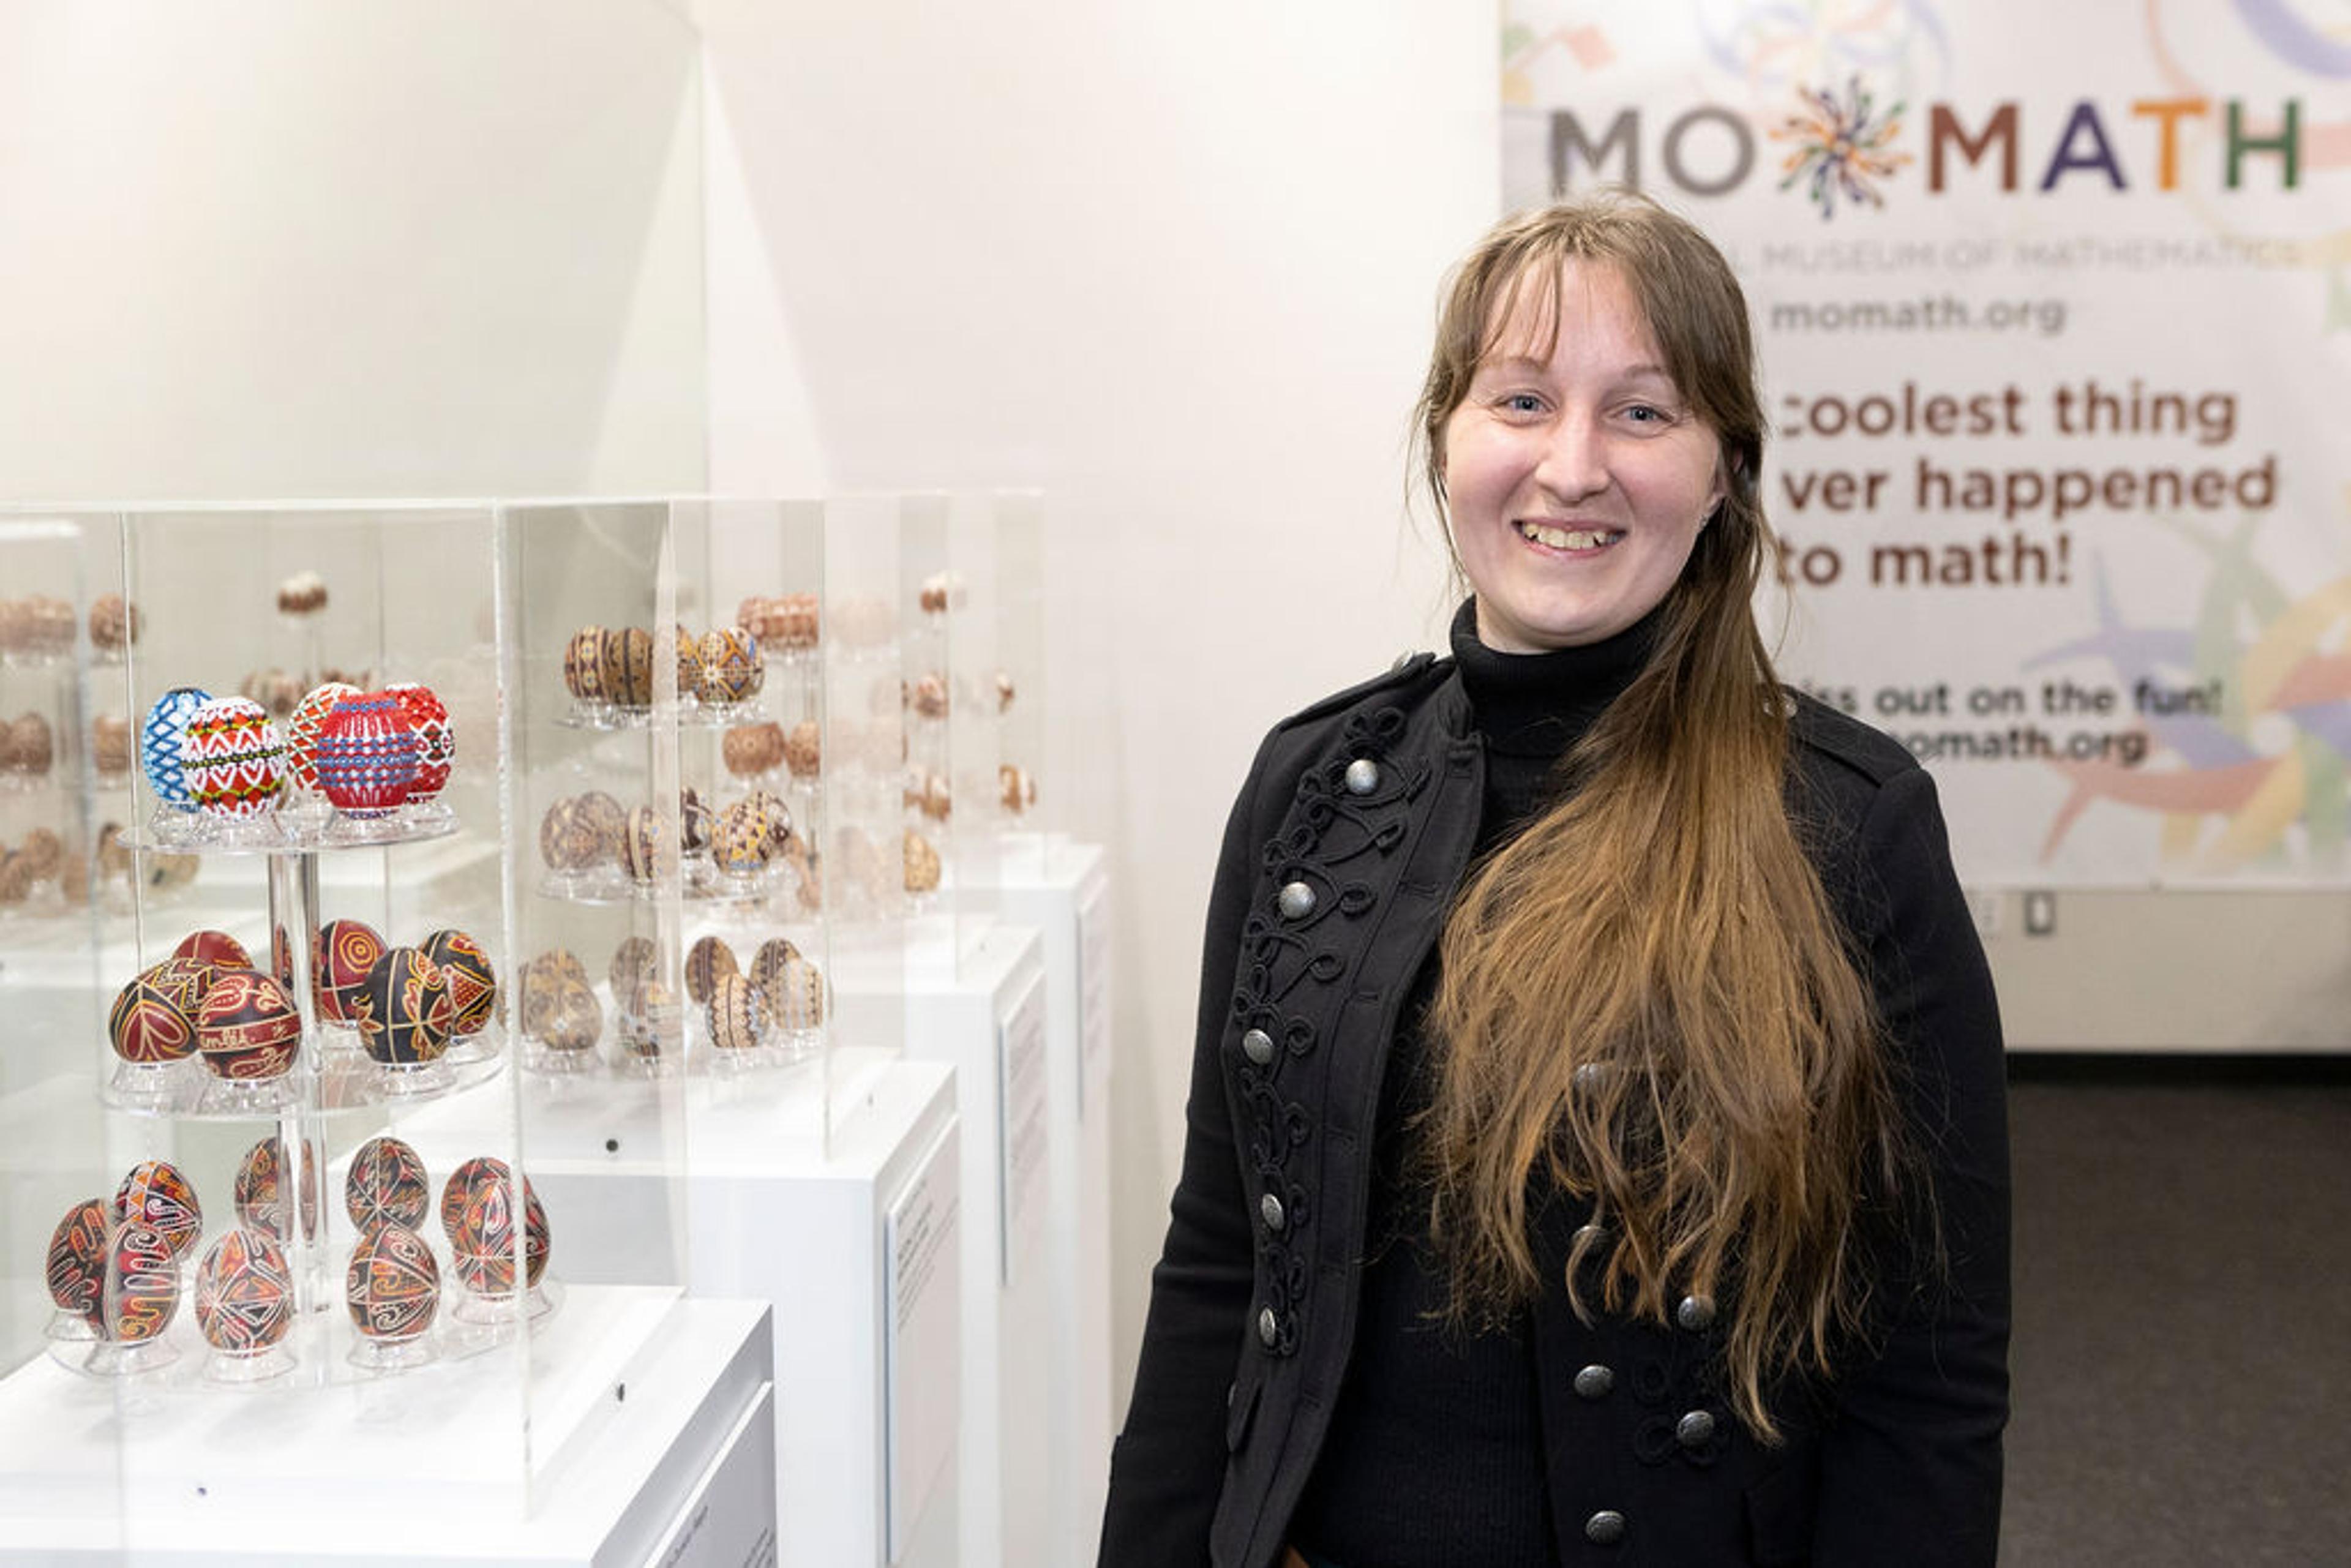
(1696, 1313)
(1605, 1528)
(1596, 1382)
(1268, 1327)
(1269, 1209)
(1258, 1046)
(1695, 1431)
(1363, 775)
(1296, 900)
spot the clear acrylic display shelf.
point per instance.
(703, 882)
(692, 713)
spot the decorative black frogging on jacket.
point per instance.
(1353, 804)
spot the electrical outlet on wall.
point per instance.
(2039, 912)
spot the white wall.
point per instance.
(1177, 266)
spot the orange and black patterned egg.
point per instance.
(634, 962)
(77, 1262)
(143, 1284)
(259, 1192)
(404, 1011)
(248, 1028)
(627, 656)
(482, 1242)
(393, 1286)
(348, 949)
(583, 663)
(473, 983)
(155, 1193)
(731, 668)
(386, 1185)
(462, 1182)
(707, 959)
(147, 1024)
(645, 852)
(738, 1016)
(216, 947)
(244, 1293)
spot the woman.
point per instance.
(1596, 1148)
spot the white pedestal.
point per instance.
(661, 1455)
(989, 1021)
(866, 1387)
(1063, 890)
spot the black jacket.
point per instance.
(1333, 881)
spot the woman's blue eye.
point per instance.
(1523, 402)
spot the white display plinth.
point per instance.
(987, 1017)
(1063, 889)
(653, 1459)
(766, 1213)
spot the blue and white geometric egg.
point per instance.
(159, 742)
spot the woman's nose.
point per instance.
(1574, 462)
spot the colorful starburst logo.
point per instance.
(1842, 148)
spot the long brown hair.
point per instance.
(1646, 1001)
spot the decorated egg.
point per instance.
(795, 995)
(566, 841)
(571, 1018)
(367, 754)
(147, 1025)
(768, 962)
(694, 820)
(244, 1293)
(259, 1193)
(648, 1020)
(404, 1011)
(645, 850)
(386, 1185)
(461, 1184)
(113, 622)
(542, 979)
(708, 958)
(753, 749)
(183, 982)
(921, 863)
(482, 1242)
(731, 668)
(232, 760)
(215, 947)
(143, 1284)
(31, 746)
(346, 951)
(628, 659)
(738, 1016)
(473, 985)
(603, 819)
(393, 1286)
(794, 621)
(742, 838)
(583, 663)
(804, 749)
(689, 661)
(110, 735)
(561, 963)
(633, 963)
(436, 738)
(302, 730)
(160, 741)
(248, 1029)
(76, 1263)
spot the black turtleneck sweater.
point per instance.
(1436, 1449)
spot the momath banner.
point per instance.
(2054, 309)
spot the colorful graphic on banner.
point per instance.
(2054, 309)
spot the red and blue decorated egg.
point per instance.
(244, 1293)
(77, 1260)
(393, 1286)
(259, 1191)
(386, 1185)
(143, 1284)
(160, 740)
(732, 671)
(156, 1194)
(473, 983)
(215, 947)
(231, 759)
(436, 738)
(347, 950)
(404, 1012)
(367, 754)
(302, 729)
(147, 1025)
(248, 1028)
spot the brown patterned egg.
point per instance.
(731, 668)
(32, 746)
(247, 1029)
(646, 854)
(753, 749)
(113, 622)
(156, 1194)
(794, 622)
(386, 1185)
(213, 947)
(922, 868)
(604, 823)
(634, 962)
(628, 660)
(707, 959)
(796, 996)
(461, 1184)
(473, 983)
(738, 1015)
(1016, 792)
(404, 1012)
(689, 661)
(740, 842)
(258, 1194)
(648, 1020)
(573, 1019)
(770, 960)
(929, 697)
(43, 853)
(109, 744)
(245, 1294)
(804, 749)
(583, 663)
(77, 1260)
(143, 1284)
(392, 1287)
(147, 1025)
(482, 1242)
(346, 951)
(566, 842)
(694, 820)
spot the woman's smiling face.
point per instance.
(1576, 475)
